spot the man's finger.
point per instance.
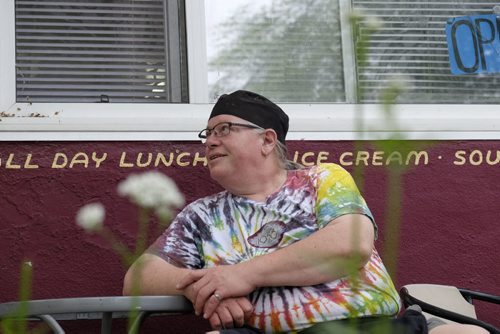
(225, 317)
(210, 305)
(215, 321)
(205, 295)
(246, 307)
(191, 277)
(236, 311)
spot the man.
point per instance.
(280, 249)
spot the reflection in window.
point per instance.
(286, 50)
(409, 50)
(291, 51)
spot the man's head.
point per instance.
(254, 108)
(242, 139)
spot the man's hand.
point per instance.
(231, 312)
(211, 286)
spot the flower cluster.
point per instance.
(151, 190)
(90, 217)
(370, 21)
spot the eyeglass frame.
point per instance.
(210, 131)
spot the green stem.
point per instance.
(140, 247)
(127, 257)
(24, 296)
(142, 234)
(393, 218)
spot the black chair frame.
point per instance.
(468, 295)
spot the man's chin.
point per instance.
(216, 172)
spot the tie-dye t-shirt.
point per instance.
(227, 229)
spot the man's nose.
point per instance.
(212, 140)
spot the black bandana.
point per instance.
(254, 108)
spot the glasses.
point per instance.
(222, 129)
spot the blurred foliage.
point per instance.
(265, 51)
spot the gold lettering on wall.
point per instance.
(98, 160)
(346, 159)
(362, 157)
(147, 162)
(395, 158)
(123, 163)
(322, 157)
(197, 159)
(160, 157)
(417, 156)
(477, 158)
(378, 158)
(60, 160)
(10, 162)
(79, 159)
(28, 164)
(305, 159)
(180, 162)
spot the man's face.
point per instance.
(231, 156)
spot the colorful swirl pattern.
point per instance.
(227, 229)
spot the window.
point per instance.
(289, 50)
(100, 51)
(410, 48)
(161, 63)
(304, 51)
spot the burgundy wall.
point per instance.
(447, 234)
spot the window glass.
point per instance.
(100, 51)
(292, 51)
(408, 50)
(288, 50)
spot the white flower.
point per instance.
(357, 12)
(90, 217)
(374, 22)
(152, 190)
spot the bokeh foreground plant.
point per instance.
(363, 27)
(155, 194)
(17, 323)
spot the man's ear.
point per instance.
(270, 139)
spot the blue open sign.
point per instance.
(474, 44)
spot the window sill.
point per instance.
(135, 122)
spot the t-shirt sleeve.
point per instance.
(337, 195)
(180, 244)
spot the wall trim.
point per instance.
(136, 122)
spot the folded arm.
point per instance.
(342, 247)
(151, 275)
(339, 249)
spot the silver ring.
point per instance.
(217, 296)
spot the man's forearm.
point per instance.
(335, 251)
(151, 275)
(342, 247)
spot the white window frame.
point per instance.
(85, 121)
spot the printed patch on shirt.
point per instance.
(269, 235)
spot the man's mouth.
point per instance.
(215, 156)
